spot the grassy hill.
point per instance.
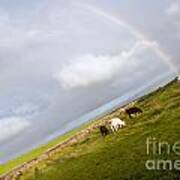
(122, 155)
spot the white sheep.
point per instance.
(116, 124)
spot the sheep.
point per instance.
(116, 124)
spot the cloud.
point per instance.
(173, 9)
(26, 109)
(173, 12)
(90, 69)
(11, 126)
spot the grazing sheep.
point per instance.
(133, 110)
(104, 131)
(116, 124)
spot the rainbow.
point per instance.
(153, 44)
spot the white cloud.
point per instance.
(173, 9)
(173, 12)
(11, 126)
(90, 69)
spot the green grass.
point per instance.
(38, 151)
(122, 155)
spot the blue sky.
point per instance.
(59, 60)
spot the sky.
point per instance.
(60, 60)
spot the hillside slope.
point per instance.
(122, 155)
